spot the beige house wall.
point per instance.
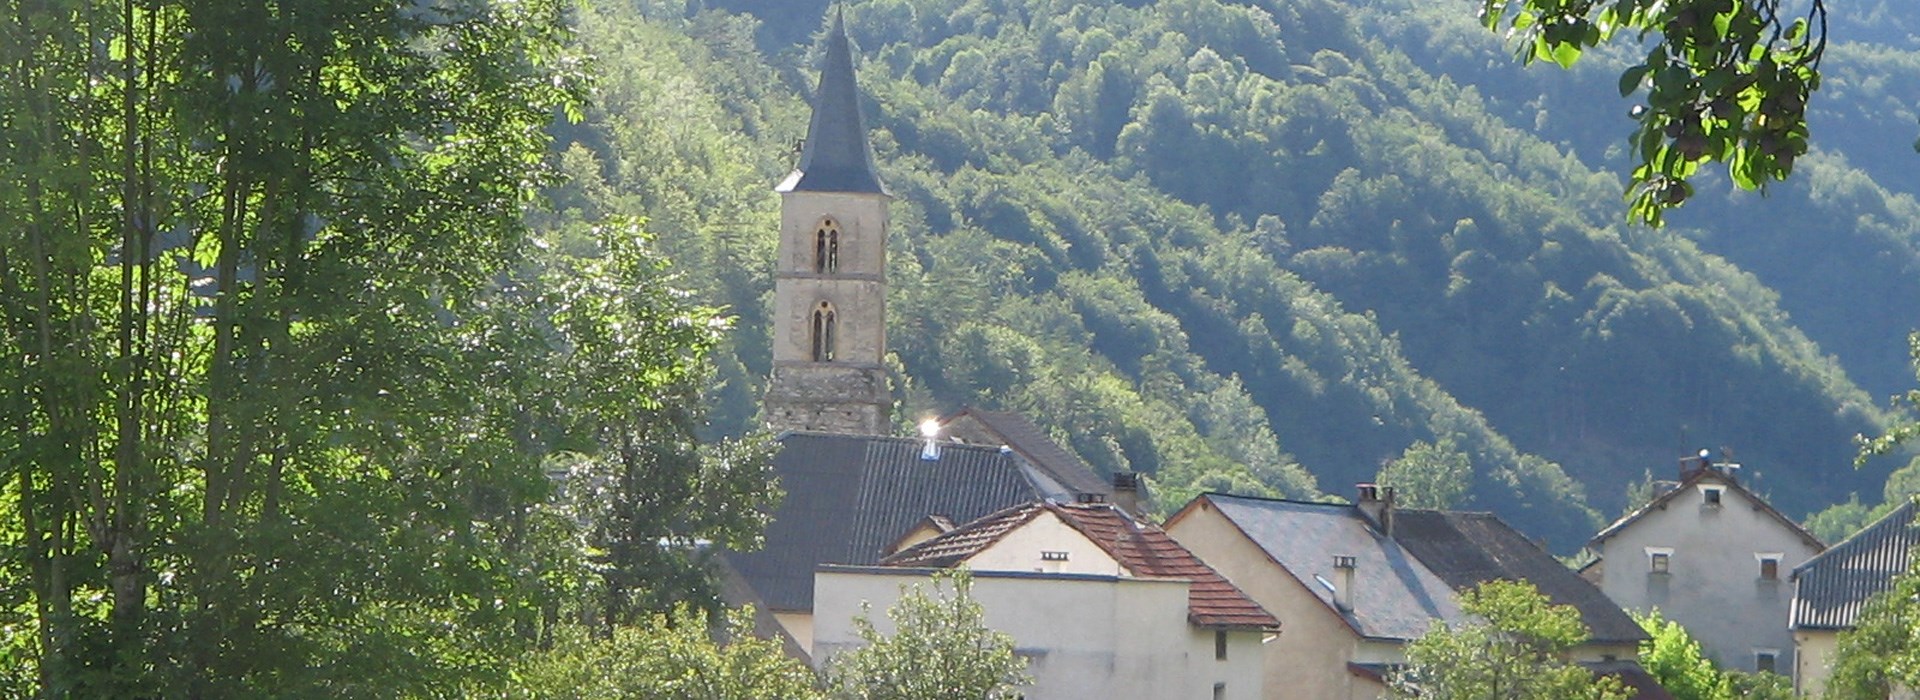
(1714, 588)
(1308, 660)
(1023, 548)
(798, 625)
(1104, 637)
(1813, 652)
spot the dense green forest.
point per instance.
(1273, 247)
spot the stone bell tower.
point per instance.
(830, 286)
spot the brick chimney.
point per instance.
(1376, 502)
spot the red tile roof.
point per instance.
(1142, 549)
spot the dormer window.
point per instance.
(826, 247)
(823, 331)
(1710, 496)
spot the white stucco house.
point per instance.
(1100, 604)
(1713, 556)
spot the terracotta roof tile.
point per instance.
(1143, 550)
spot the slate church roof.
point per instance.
(1830, 588)
(1404, 582)
(849, 497)
(1033, 445)
(836, 157)
(1142, 549)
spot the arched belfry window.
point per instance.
(826, 246)
(823, 323)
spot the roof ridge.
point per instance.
(976, 525)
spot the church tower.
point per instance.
(829, 283)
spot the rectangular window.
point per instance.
(1765, 660)
(1053, 556)
(1660, 563)
(1770, 569)
(1712, 497)
(1220, 644)
(1219, 691)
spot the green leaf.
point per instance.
(1631, 78)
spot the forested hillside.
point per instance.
(1269, 247)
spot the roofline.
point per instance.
(1208, 496)
(944, 445)
(1609, 531)
(1338, 504)
(1853, 536)
(969, 524)
(930, 571)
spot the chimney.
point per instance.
(1376, 502)
(1343, 566)
(1126, 493)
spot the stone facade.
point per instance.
(830, 286)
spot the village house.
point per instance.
(1100, 604)
(1830, 589)
(1711, 555)
(1353, 584)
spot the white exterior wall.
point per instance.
(1109, 638)
(1714, 588)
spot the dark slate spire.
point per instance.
(836, 157)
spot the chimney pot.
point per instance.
(1343, 569)
(1376, 502)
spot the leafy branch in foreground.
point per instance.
(1725, 81)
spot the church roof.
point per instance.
(836, 157)
(1027, 440)
(1143, 549)
(849, 497)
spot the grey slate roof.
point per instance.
(848, 497)
(1032, 444)
(1467, 549)
(1404, 583)
(836, 157)
(1830, 588)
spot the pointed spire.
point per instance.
(836, 157)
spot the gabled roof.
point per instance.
(1467, 549)
(1403, 583)
(1696, 477)
(1832, 587)
(1142, 549)
(849, 497)
(954, 546)
(836, 157)
(1033, 445)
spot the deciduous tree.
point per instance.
(941, 648)
(1519, 652)
(1724, 81)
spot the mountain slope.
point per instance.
(1241, 246)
